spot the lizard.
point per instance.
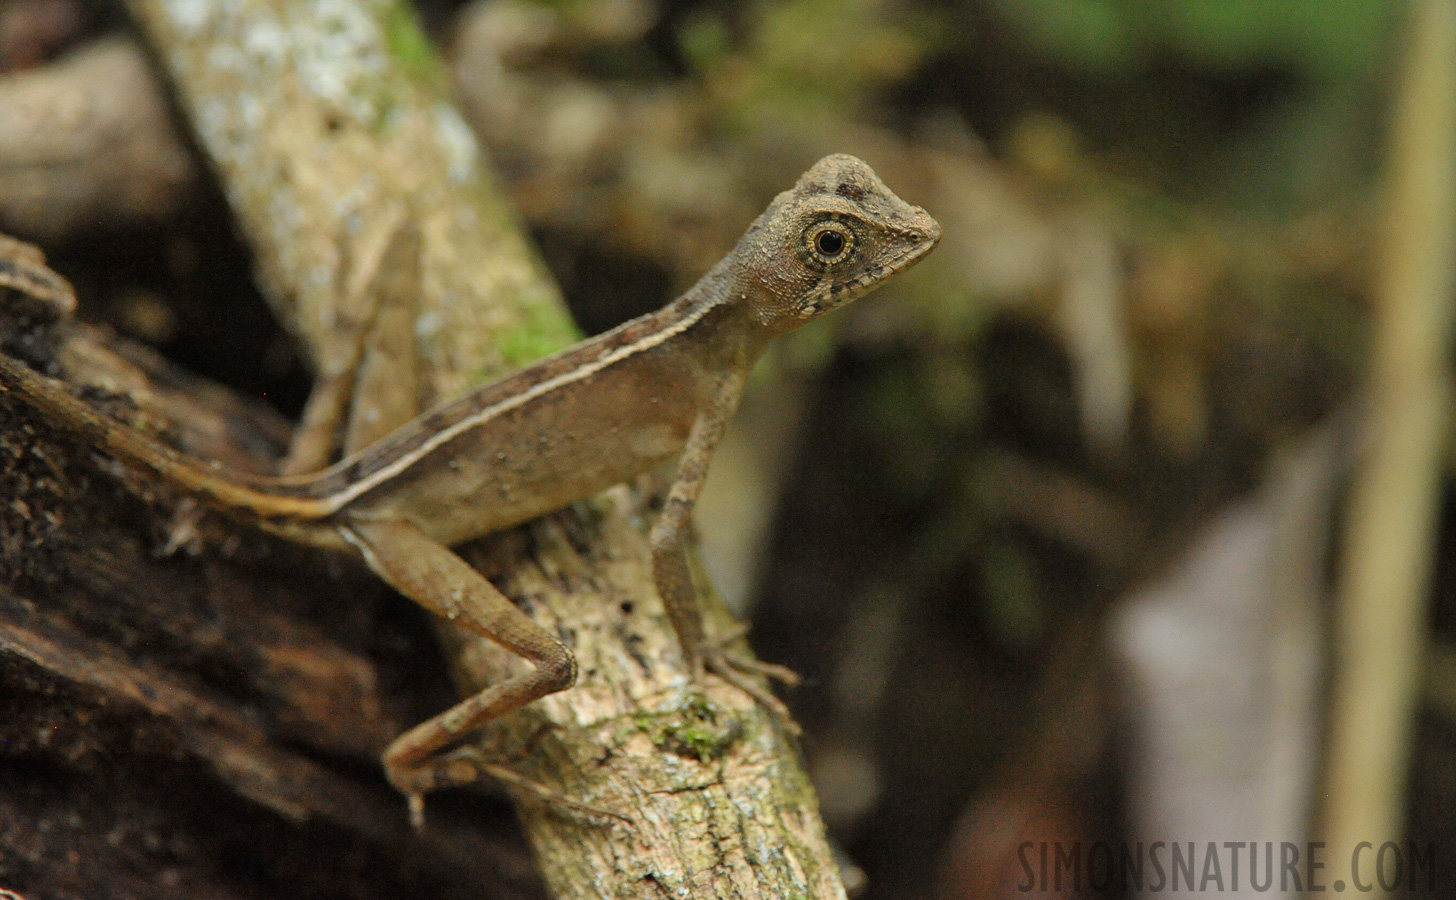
(556, 431)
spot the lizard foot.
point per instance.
(719, 645)
(746, 674)
(468, 764)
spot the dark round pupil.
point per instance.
(830, 242)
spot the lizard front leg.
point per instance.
(670, 569)
(434, 577)
(368, 383)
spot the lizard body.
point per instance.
(559, 430)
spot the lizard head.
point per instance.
(836, 235)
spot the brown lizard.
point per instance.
(557, 431)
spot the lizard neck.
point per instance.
(714, 319)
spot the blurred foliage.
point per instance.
(806, 62)
(1320, 39)
(1257, 102)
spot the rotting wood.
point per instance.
(194, 716)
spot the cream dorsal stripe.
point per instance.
(337, 500)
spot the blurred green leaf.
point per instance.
(809, 61)
(703, 39)
(1013, 603)
(1322, 38)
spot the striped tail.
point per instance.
(244, 496)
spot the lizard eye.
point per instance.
(831, 242)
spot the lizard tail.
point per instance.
(241, 495)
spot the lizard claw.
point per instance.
(718, 646)
(465, 765)
(739, 672)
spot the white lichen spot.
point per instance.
(212, 119)
(360, 195)
(394, 120)
(190, 16)
(428, 324)
(225, 58)
(285, 216)
(266, 41)
(462, 152)
(346, 211)
(251, 110)
(343, 57)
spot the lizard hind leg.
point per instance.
(434, 577)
